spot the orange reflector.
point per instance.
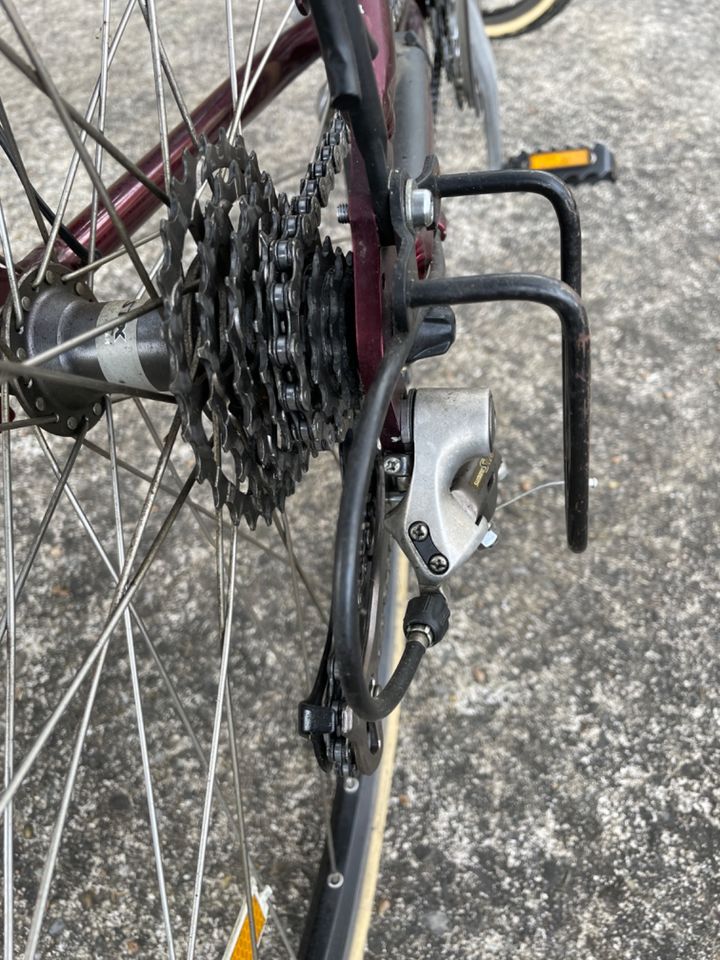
(240, 945)
(555, 159)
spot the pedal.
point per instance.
(572, 164)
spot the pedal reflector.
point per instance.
(240, 945)
(572, 164)
(554, 159)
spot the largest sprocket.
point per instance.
(262, 355)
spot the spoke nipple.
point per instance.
(335, 880)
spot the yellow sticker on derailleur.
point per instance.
(240, 944)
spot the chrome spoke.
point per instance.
(64, 113)
(9, 544)
(75, 161)
(22, 173)
(212, 765)
(104, 65)
(137, 698)
(28, 422)
(173, 83)
(101, 261)
(236, 125)
(159, 90)
(9, 370)
(10, 268)
(234, 750)
(122, 596)
(232, 64)
(62, 480)
(266, 56)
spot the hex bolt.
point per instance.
(438, 564)
(422, 208)
(351, 784)
(392, 465)
(419, 531)
(343, 213)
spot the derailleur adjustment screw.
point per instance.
(489, 540)
(422, 208)
(419, 531)
(427, 616)
(343, 213)
(438, 564)
(392, 464)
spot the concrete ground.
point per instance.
(557, 778)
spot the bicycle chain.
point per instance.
(270, 329)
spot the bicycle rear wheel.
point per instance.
(504, 20)
(154, 652)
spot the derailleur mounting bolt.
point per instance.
(422, 208)
(438, 564)
(418, 531)
(392, 465)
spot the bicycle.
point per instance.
(262, 346)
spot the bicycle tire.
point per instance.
(519, 18)
(347, 940)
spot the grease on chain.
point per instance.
(262, 356)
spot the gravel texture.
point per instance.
(556, 784)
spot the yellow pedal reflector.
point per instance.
(240, 945)
(555, 159)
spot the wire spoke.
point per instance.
(22, 173)
(124, 592)
(266, 56)
(10, 267)
(101, 261)
(234, 749)
(236, 125)
(44, 524)
(102, 109)
(75, 160)
(159, 89)
(9, 538)
(10, 370)
(212, 765)
(173, 83)
(64, 113)
(232, 64)
(137, 698)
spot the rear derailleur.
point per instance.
(434, 487)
